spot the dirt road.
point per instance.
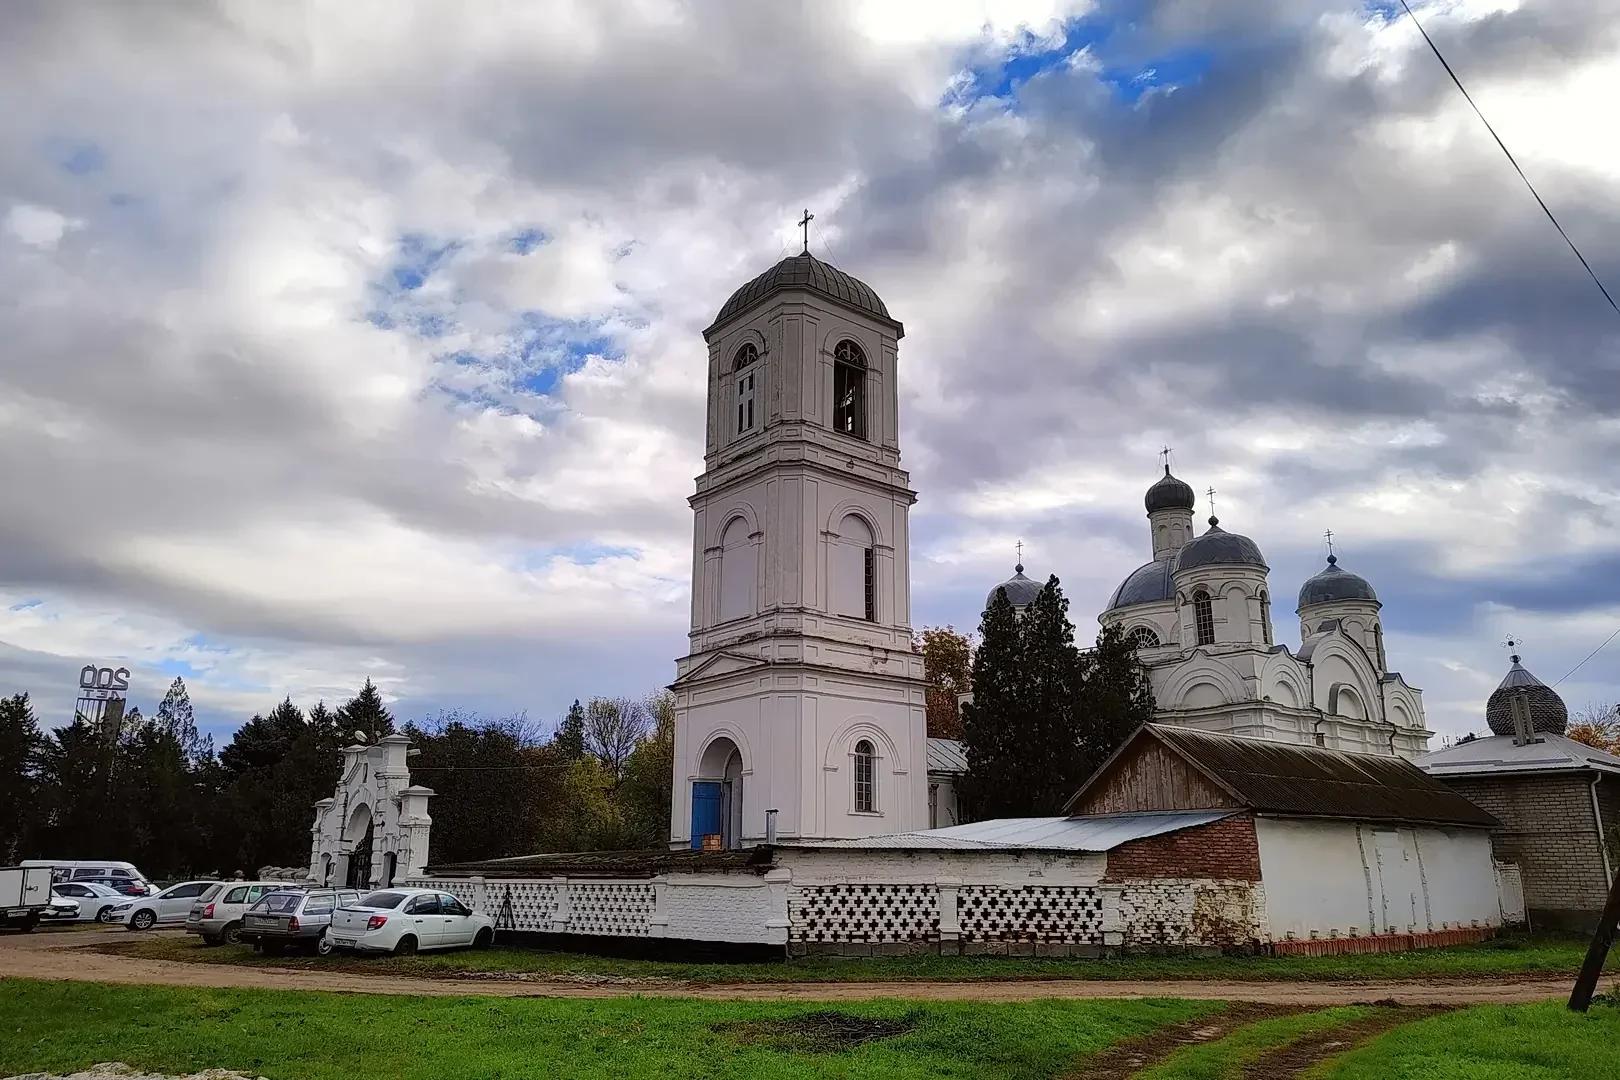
(59, 956)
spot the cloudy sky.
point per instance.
(349, 339)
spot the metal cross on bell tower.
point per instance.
(804, 222)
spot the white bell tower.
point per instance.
(800, 693)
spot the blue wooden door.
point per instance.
(706, 810)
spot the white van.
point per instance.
(122, 876)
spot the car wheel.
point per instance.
(484, 938)
(406, 946)
(232, 934)
(104, 915)
(143, 920)
(210, 940)
(323, 945)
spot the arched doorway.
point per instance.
(359, 833)
(717, 795)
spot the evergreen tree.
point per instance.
(366, 714)
(175, 717)
(20, 750)
(1115, 697)
(75, 788)
(1050, 741)
(991, 720)
(570, 738)
(154, 804)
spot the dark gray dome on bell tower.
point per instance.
(1548, 713)
(1169, 493)
(805, 271)
(1021, 591)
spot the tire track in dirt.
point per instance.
(1295, 1058)
(1126, 1059)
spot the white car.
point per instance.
(169, 906)
(402, 921)
(95, 901)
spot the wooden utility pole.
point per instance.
(1598, 951)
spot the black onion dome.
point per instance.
(1147, 585)
(1021, 591)
(1217, 547)
(1548, 713)
(1170, 493)
(1335, 583)
(805, 271)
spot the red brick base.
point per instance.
(1382, 943)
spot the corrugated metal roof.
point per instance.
(1286, 778)
(1093, 834)
(611, 864)
(1497, 754)
(946, 755)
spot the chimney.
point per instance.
(770, 827)
(1523, 732)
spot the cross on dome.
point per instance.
(805, 223)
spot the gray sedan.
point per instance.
(295, 917)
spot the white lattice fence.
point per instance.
(618, 909)
(1060, 914)
(863, 913)
(523, 905)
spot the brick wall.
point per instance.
(1548, 831)
(1224, 850)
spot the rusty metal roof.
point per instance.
(611, 864)
(1310, 781)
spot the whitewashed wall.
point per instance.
(1328, 879)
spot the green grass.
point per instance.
(291, 1035)
(1491, 1042)
(1225, 1058)
(1516, 955)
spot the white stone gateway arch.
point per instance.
(374, 829)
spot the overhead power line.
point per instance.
(1511, 160)
(1589, 656)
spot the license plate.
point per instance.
(343, 942)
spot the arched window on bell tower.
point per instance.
(853, 584)
(849, 389)
(742, 367)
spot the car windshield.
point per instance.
(381, 900)
(282, 903)
(210, 892)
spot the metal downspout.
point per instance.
(1597, 819)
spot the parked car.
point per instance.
(61, 909)
(217, 913)
(169, 906)
(96, 901)
(118, 875)
(402, 921)
(295, 917)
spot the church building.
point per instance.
(799, 709)
(1200, 614)
(807, 795)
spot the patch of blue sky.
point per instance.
(182, 668)
(1094, 40)
(526, 240)
(583, 554)
(419, 256)
(77, 156)
(27, 605)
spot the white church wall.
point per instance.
(1327, 879)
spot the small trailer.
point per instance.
(25, 893)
